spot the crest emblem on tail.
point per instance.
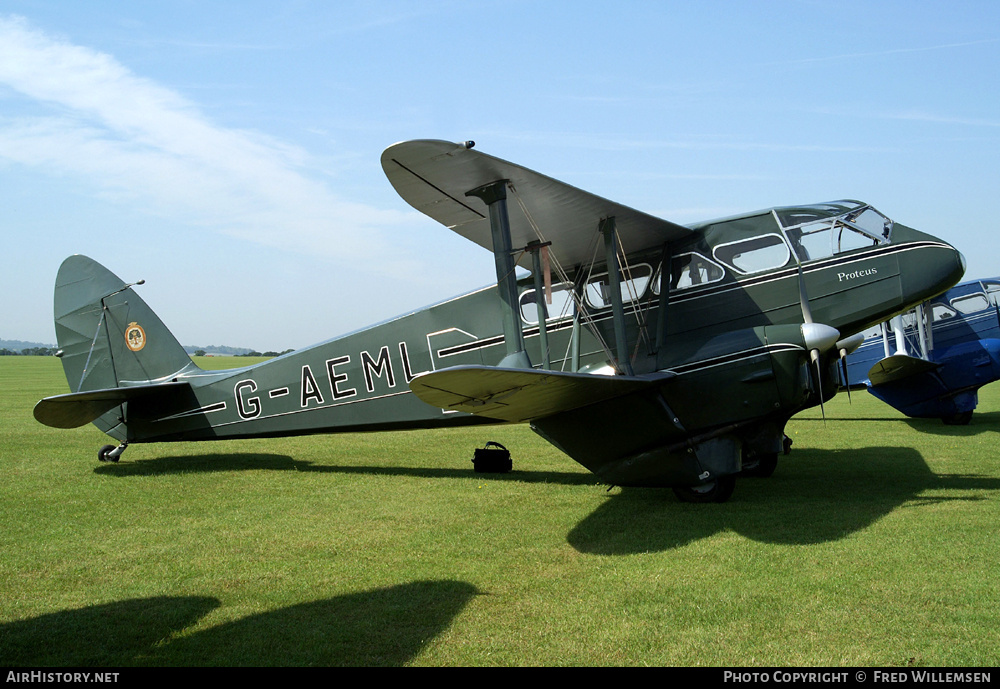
(135, 336)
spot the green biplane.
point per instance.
(652, 353)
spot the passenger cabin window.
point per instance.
(872, 332)
(634, 281)
(690, 270)
(992, 292)
(971, 303)
(561, 306)
(754, 255)
(909, 320)
(940, 312)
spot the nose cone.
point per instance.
(928, 266)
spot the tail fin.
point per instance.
(108, 336)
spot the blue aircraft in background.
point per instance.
(930, 362)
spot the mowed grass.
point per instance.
(875, 543)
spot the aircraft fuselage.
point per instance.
(728, 332)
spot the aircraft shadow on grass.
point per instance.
(815, 496)
(274, 462)
(385, 627)
(107, 635)
(982, 422)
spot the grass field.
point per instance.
(875, 543)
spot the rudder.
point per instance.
(108, 336)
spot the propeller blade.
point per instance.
(845, 347)
(814, 354)
(843, 368)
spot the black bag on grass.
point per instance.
(492, 459)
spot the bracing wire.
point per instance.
(579, 301)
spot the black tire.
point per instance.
(761, 466)
(960, 419)
(104, 454)
(719, 490)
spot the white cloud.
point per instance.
(881, 53)
(135, 139)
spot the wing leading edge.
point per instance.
(434, 176)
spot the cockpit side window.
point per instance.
(824, 239)
(814, 235)
(848, 238)
(869, 221)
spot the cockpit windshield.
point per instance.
(832, 228)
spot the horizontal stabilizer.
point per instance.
(521, 394)
(80, 408)
(897, 367)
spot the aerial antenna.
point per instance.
(124, 287)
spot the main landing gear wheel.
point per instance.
(960, 419)
(110, 453)
(761, 466)
(719, 490)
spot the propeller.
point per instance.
(817, 337)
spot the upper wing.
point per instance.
(433, 177)
(521, 394)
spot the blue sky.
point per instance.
(228, 152)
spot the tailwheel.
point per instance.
(719, 490)
(110, 453)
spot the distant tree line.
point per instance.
(29, 351)
(51, 351)
(255, 353)
(252, 352)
